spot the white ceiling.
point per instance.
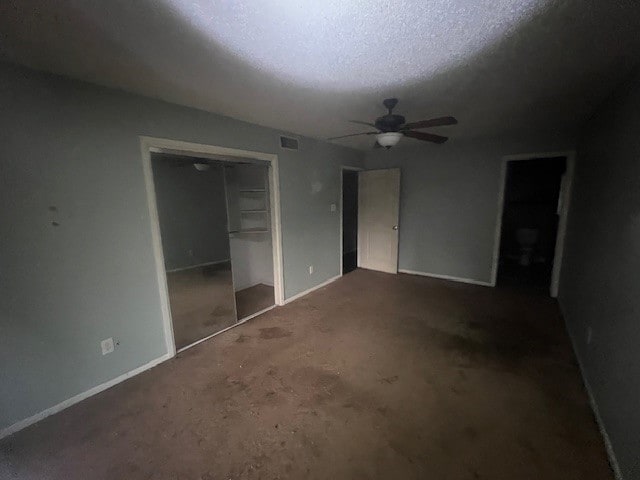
(307, 67)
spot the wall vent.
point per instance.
(289, 143)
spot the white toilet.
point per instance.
(527, 239)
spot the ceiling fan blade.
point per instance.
(368, 124)
(352, 135)
(427, 137)
(434, 122)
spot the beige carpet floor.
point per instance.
(375, 376)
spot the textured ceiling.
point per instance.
(354, 45)
(499, 66)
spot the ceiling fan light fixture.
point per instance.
(388, 139)
(201, 166)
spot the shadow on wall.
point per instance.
(599, 288)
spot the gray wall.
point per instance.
(600, 280)
(193, 212)
(70, 154)
(449, 200)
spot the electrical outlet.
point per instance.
(310, 269)
(589, 334)
(334, 207)
(107, 345)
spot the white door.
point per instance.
(378, 209)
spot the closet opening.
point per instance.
(215, 225)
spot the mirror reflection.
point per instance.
(192, 211)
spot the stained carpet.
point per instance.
(374, 376)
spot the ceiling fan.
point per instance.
(391, 128)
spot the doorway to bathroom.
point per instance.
(535, 194)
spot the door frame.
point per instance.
(565, 193)
(149, 145)
(342, 169)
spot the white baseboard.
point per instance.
(252, 285)
(199, 265)
(306, 292)
(11, 429)
(240, 322)
(613, 461)
(446, 277)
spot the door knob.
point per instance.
(395, 227)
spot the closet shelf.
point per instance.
(251, 230)
(252, 190)
(253, 211)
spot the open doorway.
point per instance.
(534, 192)
(349, 220)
